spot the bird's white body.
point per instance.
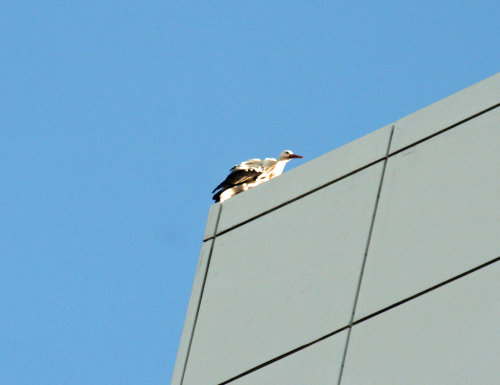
(230, 192)
(251, 173)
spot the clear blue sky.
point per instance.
(119, 117)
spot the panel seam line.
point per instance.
(355, 171)
(363, 319)
(426, 138)
(198, 306)
(368, 241)
(284, 355)
(428, 290)
(338, 179)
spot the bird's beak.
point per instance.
(294, 156)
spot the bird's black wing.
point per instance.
(237, 177)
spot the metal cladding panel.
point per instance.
(305, 178)
(317, 364)
(213, 216)
(282, 280)
(283, 268)
(447, 336)
(438, 215)
(446, 112)
(191, 314)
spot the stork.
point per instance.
(251, 173)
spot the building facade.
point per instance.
(376, 263)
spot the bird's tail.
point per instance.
(216, 196)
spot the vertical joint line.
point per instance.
(201, 295)
(367, 246)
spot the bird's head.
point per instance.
(288, 155)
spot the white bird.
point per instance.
(251, 173)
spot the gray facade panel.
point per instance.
(282, 280)
(213, 217)
(281, 263)
(192, 312)
(438, 216)
(446, 112)
(317, 364)
(447, 336)
(311, 175)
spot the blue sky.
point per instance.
(119, 117)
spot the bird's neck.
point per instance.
(280, 166)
